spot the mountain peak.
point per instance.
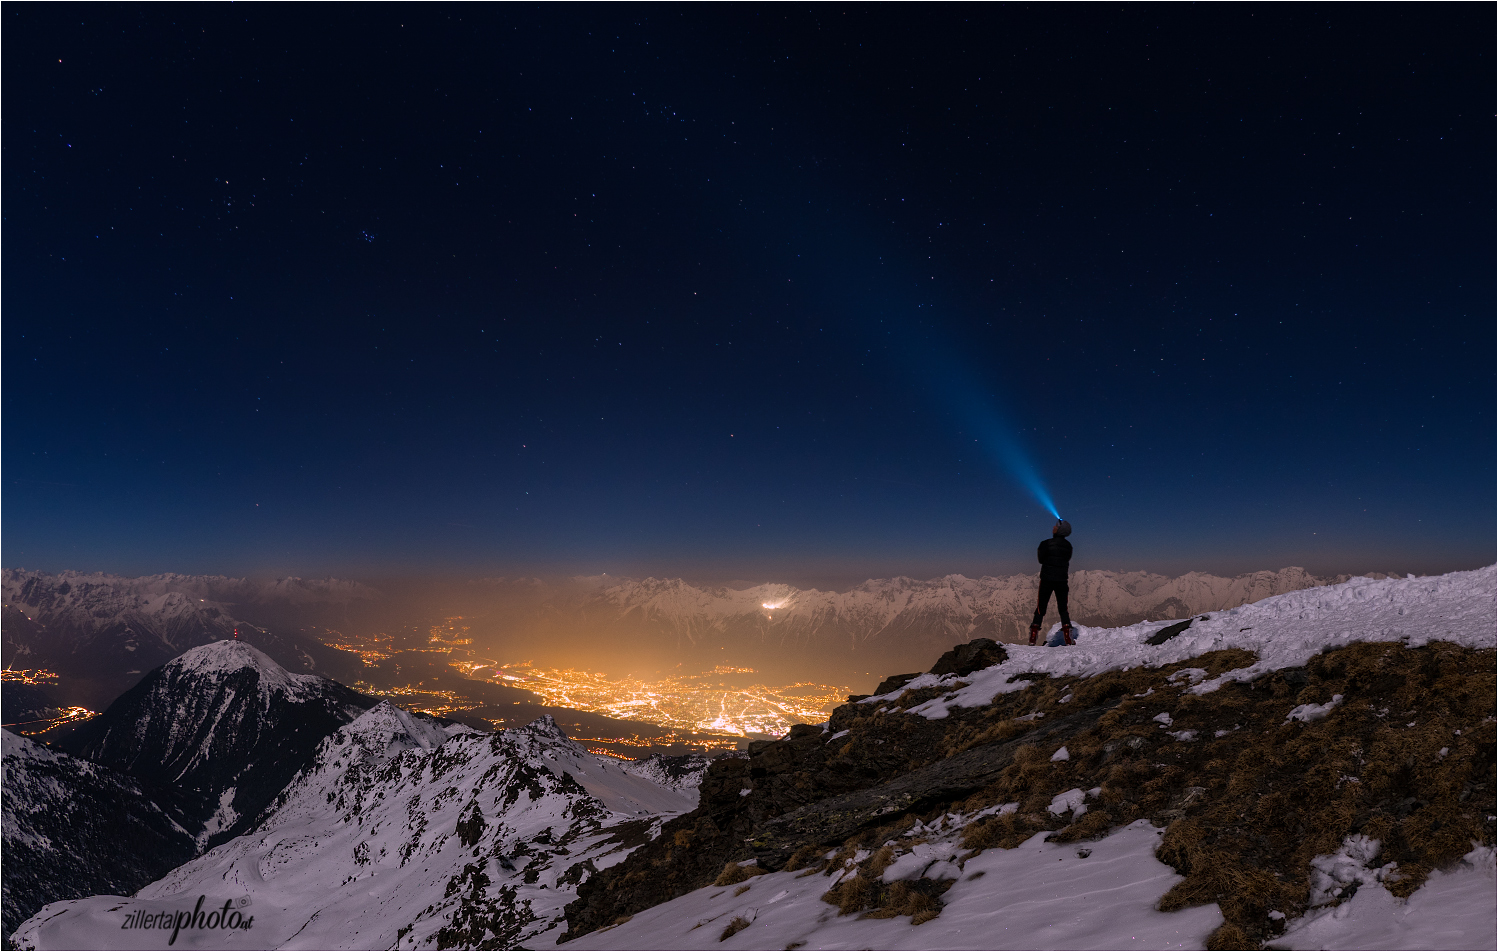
(230, 656)
(546, 726)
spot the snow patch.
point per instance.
(1305, 713)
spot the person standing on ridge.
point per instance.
(1055, 557)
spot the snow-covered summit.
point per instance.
(385, 730)
(232, 657)
(224, 723)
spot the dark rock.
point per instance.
(976, 655)
(832, 820)
(1170, 631)
(855, 698)
(1029, 676)
(894, 682)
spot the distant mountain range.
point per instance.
(102, 632)
(887, 624)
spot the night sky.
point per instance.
(747, 292)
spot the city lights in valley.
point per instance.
(713, 701)
(41, 677)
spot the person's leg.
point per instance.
(1061, 593)
(1046, 588)
(1040, 606)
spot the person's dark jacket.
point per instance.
(1055, 556)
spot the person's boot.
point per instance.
(1034, 633)
(1066, 634)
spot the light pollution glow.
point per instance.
(697, 702)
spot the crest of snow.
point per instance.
(1312, 712)
(1284, 631)
(230, 657)
(1454, 909)
(1164, 718)
(920, 860)
(1189, 675)
(1062, 754)
(384, 731)
(1183, 735)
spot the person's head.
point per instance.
(1061, 529)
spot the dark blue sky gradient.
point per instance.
(747, 292)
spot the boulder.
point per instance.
(976, 655)
(895, 682)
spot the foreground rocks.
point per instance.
(1248, 793)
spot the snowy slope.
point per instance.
(1037, 896)
(399, 835)
(74, 828)
(1043, 895)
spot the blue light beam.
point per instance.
(959, 390)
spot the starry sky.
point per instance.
(747, 292)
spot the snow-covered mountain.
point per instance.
(222, 723)
(102, 632)
(72, 828)
(402, 834)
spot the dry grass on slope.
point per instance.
(1406, 757)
